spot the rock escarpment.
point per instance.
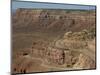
(30, 20)
(52, 40)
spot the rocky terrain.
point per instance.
(53, 40)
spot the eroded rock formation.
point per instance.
(56, 40)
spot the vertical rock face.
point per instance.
(68, 58)
(51, 20)
(56, 56)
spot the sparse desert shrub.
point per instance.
(25, 54)
(69, 65)
(68, 11)
(92, 33)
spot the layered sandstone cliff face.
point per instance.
(53, 40)
(28, 20)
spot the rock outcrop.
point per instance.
(84, 62)
(47, 40)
